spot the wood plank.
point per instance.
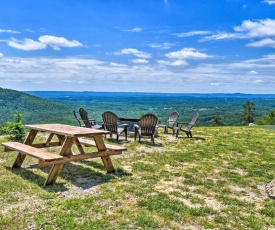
(80, 157)
(44, 145)
(108, 146)
(21, 157)
(31, 151)
(105, 159)
(67, 130)
(56, 168)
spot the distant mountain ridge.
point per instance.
(73, 95)
(57, 106)
(33, 108)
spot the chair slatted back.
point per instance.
(148, 124)
(172, 119)
(74, 112)
(84, 116)
(193, 122)
(110, 121)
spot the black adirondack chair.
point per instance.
(186, 127)
(88, 123)
(146, 126)
(111, 123)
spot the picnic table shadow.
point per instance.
(82, 176)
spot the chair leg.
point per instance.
(152, 139)
(125, 134)
(177, 133)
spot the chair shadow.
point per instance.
(149, 143)
(85, 178)
(196, 138)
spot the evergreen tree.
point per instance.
(248, 112)
(268, 119)
(16, 129)
(217, 121)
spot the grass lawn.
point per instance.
(215, 180)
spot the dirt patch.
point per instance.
(270, 189)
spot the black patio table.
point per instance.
(130, 121)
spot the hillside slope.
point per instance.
(33, 109)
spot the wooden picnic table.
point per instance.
(67, 137)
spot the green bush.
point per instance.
(16, 129)
(268, 119)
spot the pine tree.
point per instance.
(248, 112)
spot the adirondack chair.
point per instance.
(78, 119)
(171, 122)
(188, 128)
(111, 123)
(88, 123)
(146, 126)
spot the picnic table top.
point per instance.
(67, 130)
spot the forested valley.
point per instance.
(57, 107)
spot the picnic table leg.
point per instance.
(65, 150)
(21, 157)
(106, 160)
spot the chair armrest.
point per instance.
(124, 125)
(181, 123)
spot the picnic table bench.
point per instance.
(67, 137)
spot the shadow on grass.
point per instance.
(81, 176)
(194, 138)
(143, 141)
(149, 143)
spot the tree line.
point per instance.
(214, 111)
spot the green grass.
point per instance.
(215, 180)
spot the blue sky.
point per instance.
(173, 46)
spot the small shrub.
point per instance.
(16, 129)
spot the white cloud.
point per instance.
(72, 73)
(193, 33)
(173, 63)
(57, 42)
(258, 81)
(135, 52)
(263, 43)
(26, 44)
(188, 53)
(253, 72)
(247, 30)
(136, 30)
(9, 31)
(269, 2)
(215, 83)
(1, 55)
(54, 42)
(140, 61)
(116, 64)
(260, 28)
(223, 35)
(163, 46)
